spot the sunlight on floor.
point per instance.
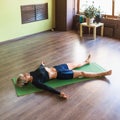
(79, 53)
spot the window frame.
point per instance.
(108, 16)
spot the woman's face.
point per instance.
(26, 77)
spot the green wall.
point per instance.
(10, 19)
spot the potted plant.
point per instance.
(90, 12)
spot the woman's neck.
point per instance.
(30, 79)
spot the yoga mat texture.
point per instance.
(92, 67)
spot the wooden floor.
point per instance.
(93, 100)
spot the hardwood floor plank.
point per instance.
(94, 100)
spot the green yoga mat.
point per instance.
(92, 67)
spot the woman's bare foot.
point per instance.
(87, 61)
(92, 75)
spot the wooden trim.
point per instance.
(78, 6)
(113, 7)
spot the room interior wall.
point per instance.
(11, 26)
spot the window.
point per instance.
(108, 7)
(31, 13)
(28, 13)
(117, 7)
(105, 6)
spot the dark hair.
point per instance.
(26, 84)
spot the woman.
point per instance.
(62, 72)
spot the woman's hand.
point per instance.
(63, 95)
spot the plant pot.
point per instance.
(89, 20)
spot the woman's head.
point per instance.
(23, 79)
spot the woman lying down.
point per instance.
(61, 72)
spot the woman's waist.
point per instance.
(52, 72)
